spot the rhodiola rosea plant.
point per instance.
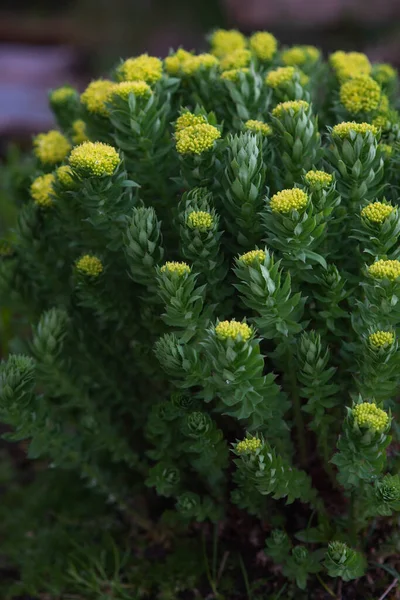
(208, 256)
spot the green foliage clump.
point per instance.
(207, 254)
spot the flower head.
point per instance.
(64, 176)
(193, 63)
(300, 55)
(343, 130)
(248, 445)
(89, 265)
(94, 159)
(187, 119)
(377, 212)
(284, 75)
(264, 45)
(236, 59)
(51, 147)
(380, 339)
(142, 68)
(140, 89)
(233, 330)
(42, 190)
(385, 269)
(370, 416)
(176, 268)
(384, 73)
(291, 106)
(62, 95)
(318, 180)
(233, 74)
(360, 94)
(224, 41)
(173, 63)
(258, 127)
(386, 148)
(252, 257)
(196, 139)
(96, 96)
(79, 132)
(287, 200)
(349, 64)
(201, 220)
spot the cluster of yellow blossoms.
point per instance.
(385, 269)
(287, 200)
(258, 127)
(343, 130)
(225, 41)
(236, 60)
(379, 339)
(187, 119)
(94, 159)
(175, 268)
(42, 190)
(201, 220)
(140, 89)
(369, 415)
(186, 63)
(291, 106)
(96, 96)
(78, 134)
(254, 256)
(232, 330)
(264, 45)
(284, 75)
(318, 179)
(89, 265)
(300, 55)
(349, 64)
(64, 176)
(51, 148)
(383, 73)
(141, 68)
(249, 445)
(62, 95)
(360, 94)
(234, 74)
(196, 139)
(377, 212)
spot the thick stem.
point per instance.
(296, 403)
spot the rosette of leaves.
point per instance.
(342, 561)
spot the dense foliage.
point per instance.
(208, 255)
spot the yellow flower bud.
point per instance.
(368, 415)
(233, 330)
(288, 200)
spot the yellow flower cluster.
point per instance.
(381, 122)
(79, 132)
(249, 445)
(233, 74)
(287, 200)
(187, 119)
(384, 73)
(42, 190)
(62, 95)
(224, 41)
(236, 60)
(196, 139)
(264, 45)
(201, 220)
(258, 127)
(386, 149)
(284, 75)
(64, 176)
(360, 94)
(300, 55)
(140, 89)
(94, 159)
(176, 268)
(369, 415)
(377, 212)
(381, 338)
(51, 147)
(96, 96)
(349, 64)
(194, 63)
(294, 106)
(232, 330)
(142, 68)
(254, 256)
(173, 63)
(318, 179)
(342, 130)
(89, 265)
(385, 269)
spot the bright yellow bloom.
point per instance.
(193, 63)
(232, 330)
(51, 147)
(224, 41)
(64, 176)
(42, 190)
(96, 96)
(361, 94)
(236, 60)
(343, 130)
(287, 200)
(140, 89)
(264, 45)
(187, 119)
(254, 256)
(350, 64)
(176, 268)
(249, 445)
(292, 106)
(142, 68)
(258, 127)
(173, 63)
(377, 212)
(89, 265)
(370, 416)
(79, 132)
(379, 339)
(300, 55)
(381, 122)
(233, 74)
(385, 269)
(62, 95)
(201, 220)
(196, 139)
(94, 159)
(384, 73)
(318, 180)
(284, 75)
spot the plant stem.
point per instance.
(297, 413)
(325, 586)
(353, 520)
